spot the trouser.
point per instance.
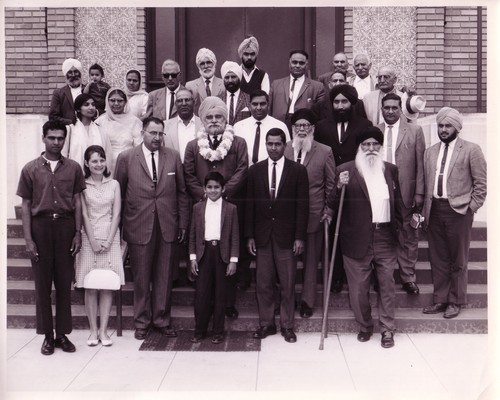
(311, 257)
(407, 252)
(210, 291)
(381, 254)
(53, 239)
(449, 235)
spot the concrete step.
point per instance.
(23, 292)
(409, 320)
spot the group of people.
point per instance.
(240, 167)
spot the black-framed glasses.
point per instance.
(154, 133)
(171, 76)
(302, 126)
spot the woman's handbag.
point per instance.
(102, 278)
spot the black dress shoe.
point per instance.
(435, 308)
(167, 331)
(452, 311)
(411, 288)
(264, 331)
(64, 344)
(387, 339)
(197, 338)
(48, 346)
(141, 333)
(305, 310)
(364, 336)
(289, 335)
(218, 338)
(232, 312)
(337, 286)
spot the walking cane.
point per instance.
(325, 264)
(330, 272)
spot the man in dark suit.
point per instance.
(237, 101)
(369, 225)
(161, 102)
(277, 210)
(455, 188)
(295, 91)
(320, 165)
(207, 84)
(62, 102)
(216, 148)
(155, 217)
(404, 146)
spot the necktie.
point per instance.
(342, 132)
(273, 182)
(299, 157)
(172, 101)
(153, 165)
(207, 87)
(215, 142)
(231, 110)
(389, 144)
(255, 153)
(441, 171)
(291, 95)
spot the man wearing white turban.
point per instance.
(455, 188)
(216, 148)
(253, 78)
(62, 103)
(207, 84)
(237, 101)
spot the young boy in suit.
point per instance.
(213, 251)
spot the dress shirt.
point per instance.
(339, 129)
(264, 85)
(168, 97)
(246, 129)
(75, 92)
(298, 85)
(185, 133)
(451, 146)
(363, 86)
(379, 197)
(395, 132)
(147, 156)
(279, 170)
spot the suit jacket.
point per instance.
(198, 87)
(233, 167)
(324, 109)
(410, 148)
(171, 130)
(466, 180)
(372, 106)
(62, 107)
(356, 229)
(242, 109)
(320, 167)
(285, 218)
(142, 201)
(310, 93)
(157, 104)
(326, 132)
(229, 235)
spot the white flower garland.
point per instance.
(221, 151)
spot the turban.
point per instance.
(81, 99)
(348, 91)
(249, 43)
(231, 66)
(211, 103)
(450, 116)
(205, 53)
(304, 113)
(370, 132)
(69, 63)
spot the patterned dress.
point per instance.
(99, 201)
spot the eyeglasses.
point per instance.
(172, 76)
(375, 145)
(302, 126)
(154, 133)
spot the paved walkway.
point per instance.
(420, 366)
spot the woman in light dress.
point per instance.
(137, 97)
(101, 206)
(122, 128)
(85, 131)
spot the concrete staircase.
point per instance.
(409, 317)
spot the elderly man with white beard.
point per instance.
(320, 164)
(370, 221)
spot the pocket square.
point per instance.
(171, 173)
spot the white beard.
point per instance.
(369, 166)
(302, 144)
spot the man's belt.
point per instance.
(380, 225)
(212, 242)
(55, 215)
